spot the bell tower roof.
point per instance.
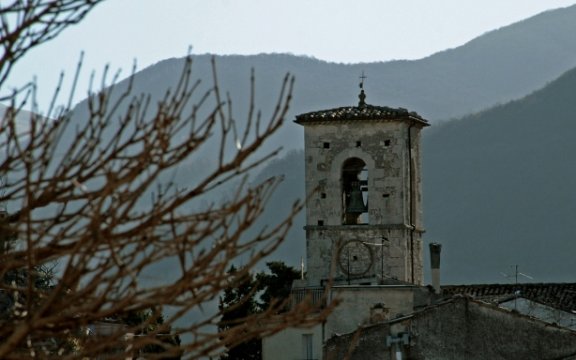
(363, 111)
(357, 113)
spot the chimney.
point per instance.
(435, 250)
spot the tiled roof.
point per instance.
(361, 112)
(558, 295)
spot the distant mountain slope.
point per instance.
(500, 188)
(497, 67)
(22, 118)
(500, 65)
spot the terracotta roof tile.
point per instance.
(558, 295)
(363, 112)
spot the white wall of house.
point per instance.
(294, 344)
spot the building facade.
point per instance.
(454, 329)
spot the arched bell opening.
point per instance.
(354, 192)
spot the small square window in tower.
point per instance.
(354, 191)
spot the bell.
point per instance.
(355, 201)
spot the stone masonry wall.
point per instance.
(460, 329)
(382, 145)
(388, 254)
(467, 330)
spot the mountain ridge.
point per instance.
(494, 68)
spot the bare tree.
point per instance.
(96, 200)
(28, 23)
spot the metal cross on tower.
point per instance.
(362, 78)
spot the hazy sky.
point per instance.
(119, 31)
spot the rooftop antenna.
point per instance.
(362, 95)
(515, 275)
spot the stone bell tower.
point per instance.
(364, 209)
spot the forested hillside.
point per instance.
(499, 188)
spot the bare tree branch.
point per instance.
(96, 194)
(29, 23)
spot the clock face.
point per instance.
(355, 258)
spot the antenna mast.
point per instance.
(516, 290)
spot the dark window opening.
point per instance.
(386, 142)
(385, 195)
(358, 143)
(320, 222)
(326, 145)
(354, 192)
(323, 195)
